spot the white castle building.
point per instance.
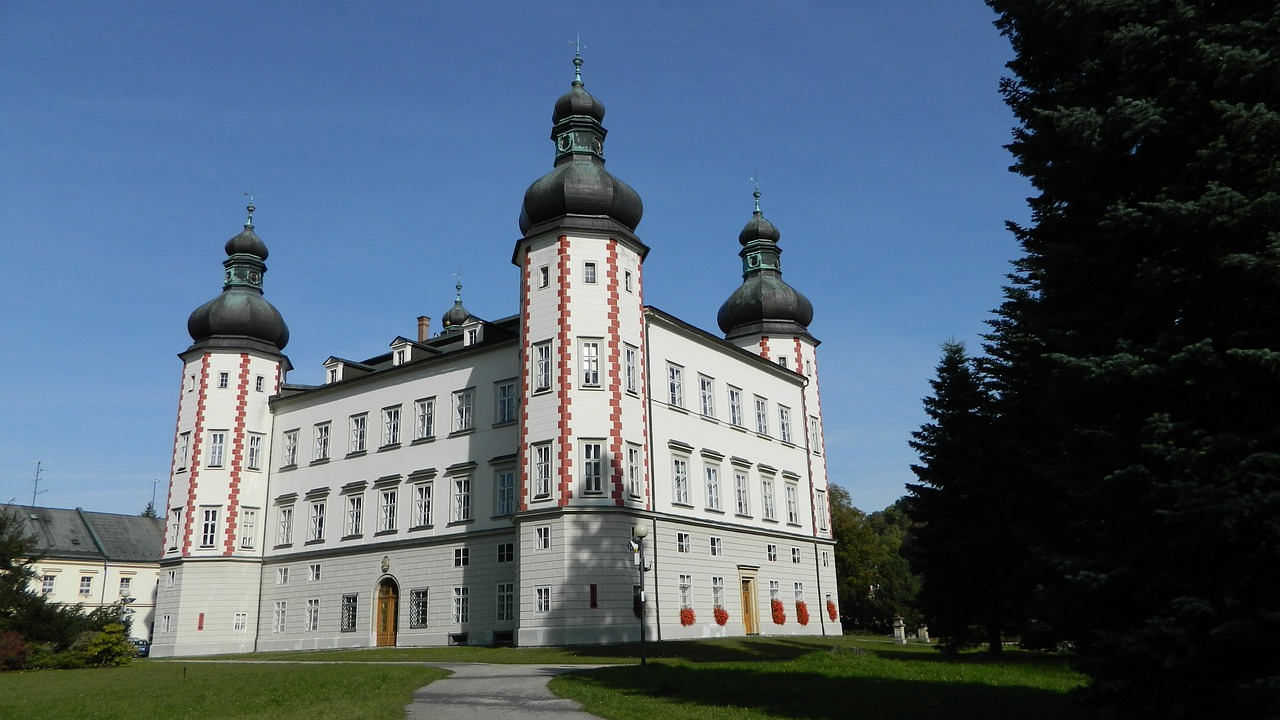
(484, 485)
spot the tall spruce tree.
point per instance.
(1137, 350)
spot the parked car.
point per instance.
(141, 648)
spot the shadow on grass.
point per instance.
(706, 651)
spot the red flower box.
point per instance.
(686, 616)
(831, 609)
(802, 612)
(721, 615)
(779, 613)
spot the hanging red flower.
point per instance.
(831, 609)
(722, 615)
(686, 616)
(779, 613)
(802, 612)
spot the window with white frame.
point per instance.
(359, 432)
(680, 480)
(333, 375)
(391, 426)
(279, 615)
(321, 442)
(248, 528)
(735, 406)
(175, 527)
(683, 543)
(592, 467)
(826, 559)
(316, 529)
(461, 557)
(170, 578)
(461, 605)
(635, 469)
(282, 576)
(766, 497)
(793, 504)
(290, 443)
(422, 504)
(313, 572)
(589, 273)
(775, 589)
(387, 509)
(799, 592)
(217, 447)
(126, 585)
(771, 551)
(424, 415)
(191, 383)
(706, 395)
(717, 592)
(762, 415)
(400, 356)
(166, 623)
(464, 410)
(795, 556)
(784, 423)
(542, 366)
(542, 538)
(506, 602)
(184, 450)
(505, 491)
(717, 546)
(675, 385)
(258, 383)
(631, 368)
(508, 402)
(241, 622)
(208, 527)
(506, 552)
(353, 523)
(86, 585)
(347, 619)
(223, 380)
(686, 591)
(814, 445)
(461, 498)
(544, 276)
(542, 470)
(46, 584)
(542, 599)
(713, 486)
(284, 525)
(626, 280)
(741, 495)
(782, 360)
(419, 602)
(253, 461)
(820, 499)
(589, 350)
(473, 336)
(313, 614)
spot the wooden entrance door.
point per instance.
(750, 623)
(388, 601)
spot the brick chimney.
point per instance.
(424, 328)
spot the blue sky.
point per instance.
(390, 145)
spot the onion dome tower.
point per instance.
(455, 316)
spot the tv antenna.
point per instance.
(36, 489)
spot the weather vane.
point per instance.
(756, 179)
(251, 207)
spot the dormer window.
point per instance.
(333, 375)
(399, 357)
(472, 335)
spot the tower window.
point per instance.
(223, 380)
(626, 280)
(589, 273)
(544, 276)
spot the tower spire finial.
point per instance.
(457, 277)
(250, 207)
(756, 179)
(577, 58)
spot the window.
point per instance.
(680, 480)
(542, 470)
(542, 538)
(772, 551)
(461, 499)
(592, 467)
(762, 415)
(590, 352)
(793, 504)
(675, 385)
(313, 572)
(774, 590)
(278, 617)
(713, 487)
(735, 406)
(461, 557)
(175, 527)
(473, 336)
(795, 556)
(241, 622)
(400, 357)
(544, 276)
(223, 380)
(208, 527)
(682, 542)
(321, 442)
(766, 496)
(126, 583)
(784, 423)
(258, 383)
(422, 505)
(317, 521)
(508, 401)
(506, 602)
(630, 367)
(347, 620)
(425, 418)
(46, 584)
(254, 460)
(808, 368)
(387, 510)
(782, 361)
(717, 592)
(284, 530)
(463, 404)
(706, 395)
(166, 623)
(741, 497)
(461, 605)
(589, 273)
(717, 547)
(313, 614)
(506, 552)
(419, 600)
(359, 430)
(282, 576)
(814, 446)
(542, 367)
(353, 524)
(333, 375)
(799, 592)
(686, 591)
(820, 498)
(217, 447)
(391, 426)
(626, 280)
(248, 528)
(826, 559)
(542, 601)
(191, 383)
(170, 578)
(634, 470)
(506, 491)
(290, 448)
(184, 450)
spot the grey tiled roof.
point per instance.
(82, 535)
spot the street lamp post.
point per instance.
(639, 532)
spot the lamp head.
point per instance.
(640, 531)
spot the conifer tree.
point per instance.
(1137, 355)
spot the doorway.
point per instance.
(750, 622)
(386, 619)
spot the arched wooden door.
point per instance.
(388, 602)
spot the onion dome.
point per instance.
(241, 316)
(455, 316)
(764, 303)
(579, 184)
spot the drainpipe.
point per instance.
(648, 392)
(97, 543)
